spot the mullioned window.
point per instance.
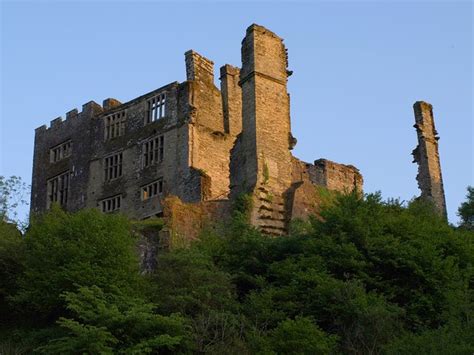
(115, 125)
(58, 189)
(156, 108)
(111, 204)
(113, 166)
(60, 152)
(153, 189)
(153, 151)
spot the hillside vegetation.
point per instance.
(368, 277)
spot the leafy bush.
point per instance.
(64, 251)
(110, 323)
(364, 277)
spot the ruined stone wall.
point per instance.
(335, 176)
(231, 99)
(309, 180)
(185, 221)
(430, 180)
(210, 155)
(210, 141)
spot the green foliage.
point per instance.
(152, 224)
(14, 193)
(367, 271)
(114, 323)
(266, 173)
(241, 209)
(11, 260)
(64, 251)
(326, 198)
(188, 282)
(299, 336)
(466, 210)
(409, 255)
(12, 348)
(364, 277)
(453, 338)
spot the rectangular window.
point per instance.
(113, 167)
(115, 125)
(153, 151)
(111, 204)
(58, 189)
(153, 189)
(60, 152)
(156, 108)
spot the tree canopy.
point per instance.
(365, 277)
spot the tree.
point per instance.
(409, 255)
(13, 194)
(114, 323)
(64, 251)
(11, 266)
(187, 281)
(300, 336)
(466, 210)
(367, 271)
(364, 277)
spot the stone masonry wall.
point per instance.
(210, 141)
(231, 99)
(218, 144)
(75, 128)
(185, 221)
(134, 173)
(266, 132)
(336, 177)
(430, 180)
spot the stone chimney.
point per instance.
(231, 99)
(430, 180)
(198, 68)
(266, 137)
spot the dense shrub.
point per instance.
(365, 277)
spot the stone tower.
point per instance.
(430, 180)
(266, 138)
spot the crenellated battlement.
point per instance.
(92, 109)
(89, 110)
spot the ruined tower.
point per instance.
(430, 180)
(265, 140)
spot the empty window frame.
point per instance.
(115, 125)
(153, 151)
(156, 108)
(60, 152)
(111, 204)
(58, 189)
(113, 166)
(153, 189)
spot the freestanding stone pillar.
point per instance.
(430, 180)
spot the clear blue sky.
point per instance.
(358, 69)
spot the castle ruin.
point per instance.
(194, 144)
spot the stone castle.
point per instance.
(185, 151)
